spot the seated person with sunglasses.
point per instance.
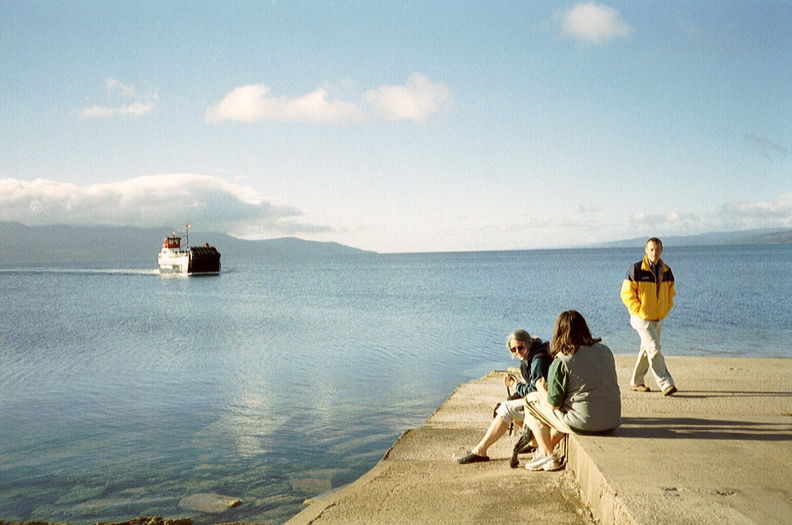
(534, 363)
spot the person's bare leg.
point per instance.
(555, 439)
(497, 428)
(544, 441)
(541, 434)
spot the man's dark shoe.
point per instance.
(671, 390)
(471, 458)
(640, 388)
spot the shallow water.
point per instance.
(123, 391)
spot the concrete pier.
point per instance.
(717, 452)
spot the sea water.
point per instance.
(122, 391)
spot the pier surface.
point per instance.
(717, 452)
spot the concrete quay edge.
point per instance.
(717, 452)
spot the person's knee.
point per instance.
(506, 413)
(652, 347)
(536, 426)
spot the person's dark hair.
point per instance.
(571, 332)
(656, 241)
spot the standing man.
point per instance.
(648, 293)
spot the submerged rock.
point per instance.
(152, 520)
(311, 485)
(209, 502)
(2, 522)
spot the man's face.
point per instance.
(653, 251)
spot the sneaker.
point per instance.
(671, 390)
(553, 464)
(539, 461)
(640, 388)
(471, 458)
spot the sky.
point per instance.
(399, 126)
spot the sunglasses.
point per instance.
(518, 347)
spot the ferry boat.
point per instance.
(175, 258)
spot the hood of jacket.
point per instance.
(538, 347)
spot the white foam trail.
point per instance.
(82, 271)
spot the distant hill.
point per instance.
(764, 236)
(67, 244)
(282, 247)
(70, 244)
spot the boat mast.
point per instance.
(187, 234)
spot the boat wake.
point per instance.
(82, 271)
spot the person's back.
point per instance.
(581, 392)
(593, 401)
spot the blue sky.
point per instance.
(399, 126)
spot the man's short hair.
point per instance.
(656, 241)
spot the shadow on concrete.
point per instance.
(707, 394)
(697, 428)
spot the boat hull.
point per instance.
(174, 263)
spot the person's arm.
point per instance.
(671, 291)
(555, 388)
(522, 385)
(536, 370)
(540, 367)
(522, 389)
(629, 292)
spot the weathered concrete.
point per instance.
(719, 451)
(418, 480)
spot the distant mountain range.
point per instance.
(68, 244)
(763, 236)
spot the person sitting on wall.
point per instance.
(534, 364)
(581, 393)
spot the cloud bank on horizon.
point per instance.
(151, 201)
(420, 130)
(215, 204)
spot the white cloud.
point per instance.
(118, 88)
(136, 109)
(593, 23)
(137, 106)
(417, 100)
(761, 214)
(678, 222)
(732, 216)
(253, 102)
(151, 201)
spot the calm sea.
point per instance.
(123, 391)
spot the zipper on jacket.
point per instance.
(658, 277)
